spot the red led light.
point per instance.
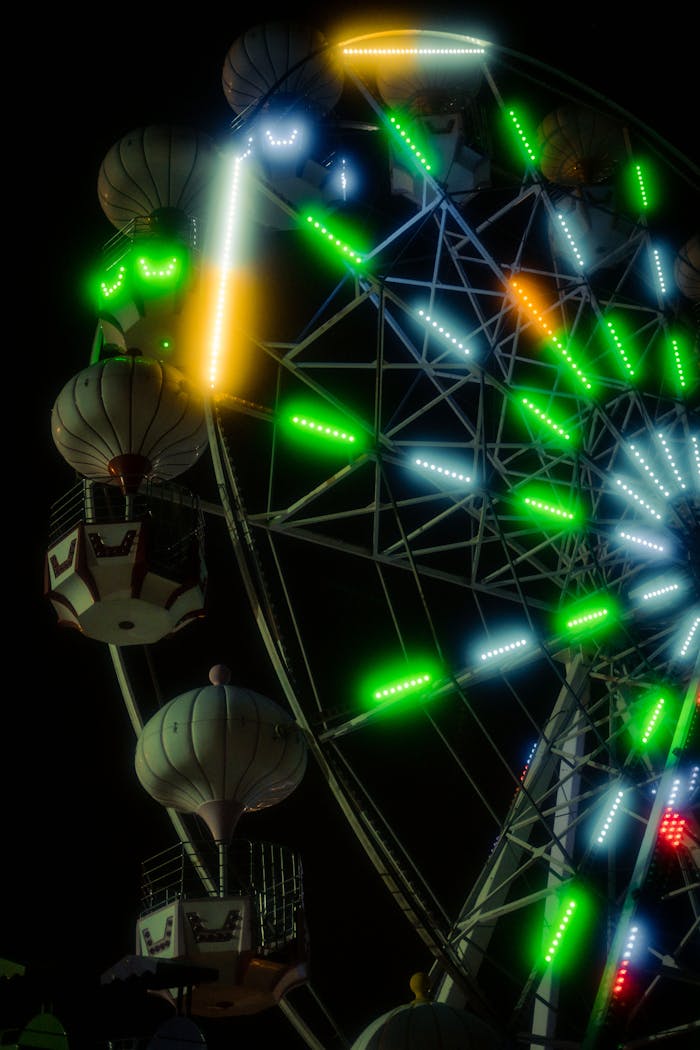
(672, 827)
(620, 979)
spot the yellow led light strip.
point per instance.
(414, 51)
(226, 264)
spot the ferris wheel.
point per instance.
(458, 469)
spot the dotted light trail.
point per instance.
(569, 237)
(612, 813)
(544, 418)
(620, 348)
(521, 778)
(548, 508)
(629, 491)
(689, 637)
(653, 720)
(658, 271)
(695, 455)
(648, 596)
(444, 472)
(561, 931)
(406, 138)
(641, 542)
(623, 969)
(414, 51)
(408, 685)
(444, 332)
(324, 430)
(669, 457)
(587, 619)
(501, 650)
(648, 471)
(350, 253)
(678, 362)
(642, 188)
(528, 762)
(344, 178)
(522, 136)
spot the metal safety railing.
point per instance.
(267, 873)
(174, 516)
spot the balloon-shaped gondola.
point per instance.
(218, 752)
(157, 186)
(125, 564)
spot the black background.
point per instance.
(75, 822)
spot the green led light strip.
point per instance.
(349, 253)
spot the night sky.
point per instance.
(76, 821)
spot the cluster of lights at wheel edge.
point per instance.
(356, 258)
